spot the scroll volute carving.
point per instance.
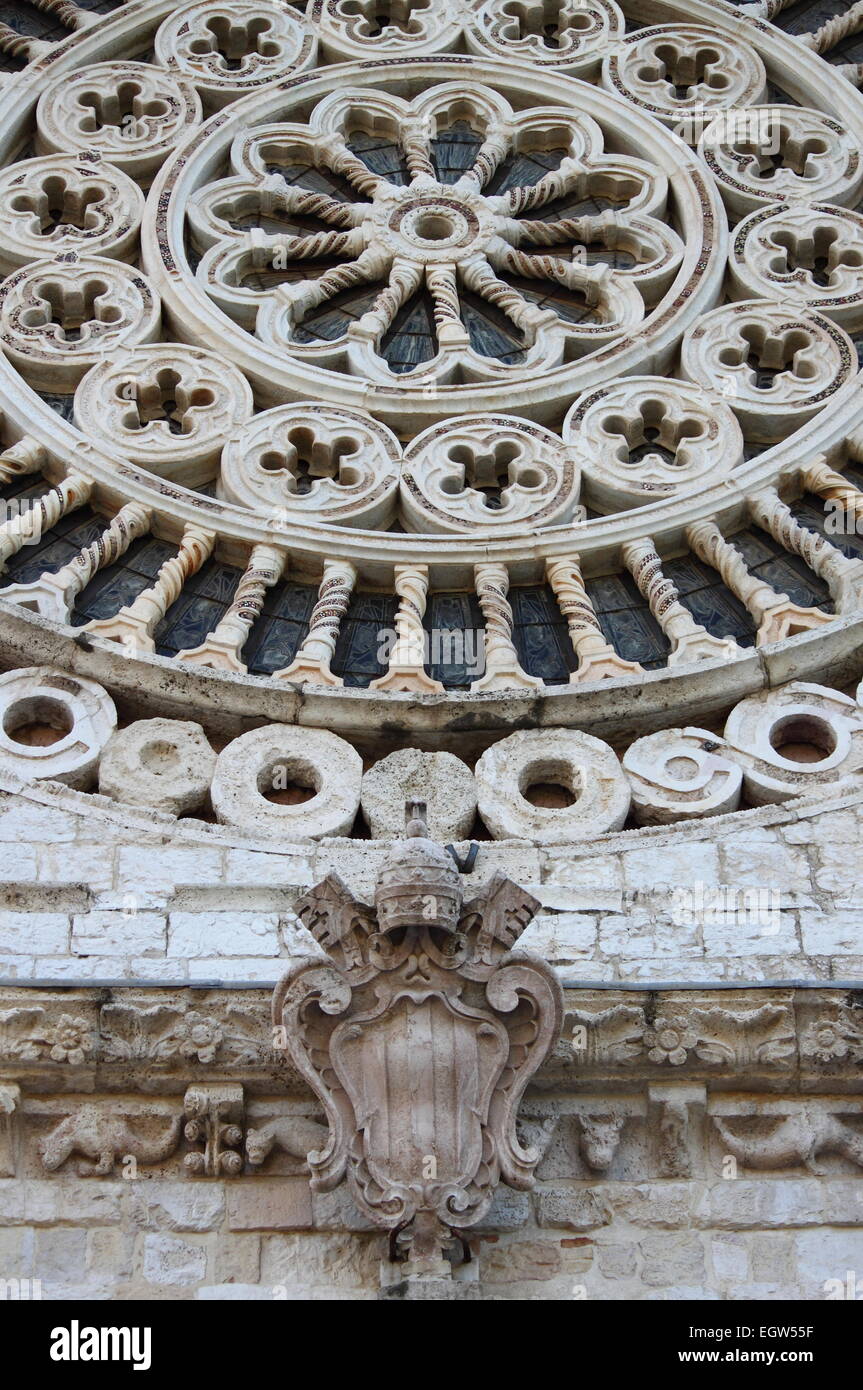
(419, 1034)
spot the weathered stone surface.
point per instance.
(194, 934)
(119, 933)
(571, 1208)
(443, 781)
(586, 768)
(80, 711)
(168, 1260)
(273, 762)
(270, 1204)
(677, 1259)
(166, 764)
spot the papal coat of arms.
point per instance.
(419, 1034)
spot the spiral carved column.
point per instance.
(311, 665)
(689, 640)
(597, 659)
(776, 615)
(135, 624)
(221, 648)
(407, 661)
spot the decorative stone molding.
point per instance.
(808, 1040)
(215, 1120)
(585, 766)
(130, 114)
(59, 318)
(420, 967)
(673, 70)
(363, 31)
(311, 460)
(807, 258)
(274, 760)
(230, 49)
(167, 764)
(497, 473)
(583, 33)
(98, 210)
(673, 775)
(681, 774)
(806, 358)
(441, 779)
(818, 162)
(80, 712)
(646, 436)
(170, 408)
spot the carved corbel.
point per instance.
(418, 1034)
(675, 1115)
(10, 1103)
(215, 1121)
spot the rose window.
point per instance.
(534, 327)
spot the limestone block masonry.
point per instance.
(451, 405)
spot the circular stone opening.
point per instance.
(803, 738)
(288, 782)
(684, 769)
(434, 226)
(37, 722)
(550, 785)
(159, 757)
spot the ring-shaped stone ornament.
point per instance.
(257, 767)
(673, 70)
(813, 720)
(79, 711)
(232, 48)
(775, 368)
(131, 114)
(802, 257)
(165, 406)
(59, 318)
(582, 764)
(491, 473)
(310, 461)
(64, 203)
(643, 438)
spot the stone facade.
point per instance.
(460, 407)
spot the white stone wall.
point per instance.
(772, 1239)
(94, 890)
